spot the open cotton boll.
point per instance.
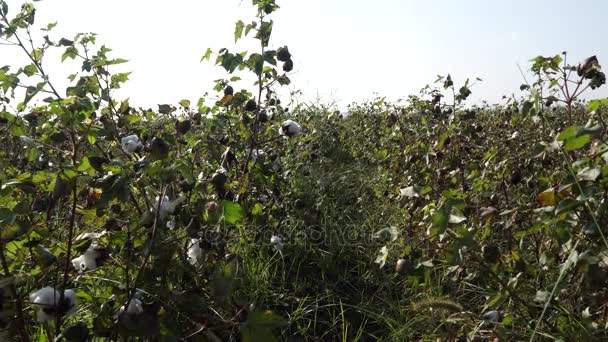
(131, 144)
(46, 300)
(492, 316)
(254, 154)
(87, 261)
(135, 307)
(276, 242)
(164, 207)
(290, 128)
(195, 252)
(90, 236)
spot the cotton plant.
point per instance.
(131, 144)
(290, 128)
(46, 302)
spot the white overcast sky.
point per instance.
(344, 50)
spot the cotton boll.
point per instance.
(290, 128)
(254, 154)
(135, 307)
(71, 303)
(492, 316)
(46, 302)
(131, 144)
(171, 224)
(195, 252)
(90, 236)
(87, 261)
(276, 242)
(164, 207)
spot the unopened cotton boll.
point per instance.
(195, 252)
(46, 302)
(290, 128)
(276, 242)
(131, 144)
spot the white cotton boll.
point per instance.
(195, 252)
(254, 154)
(164, 207)
(135, 307)
(515, 135)
(90, 236)
(131, 144)
(492, 316)
(276, 242)
(87, 261)
(72, 303)
(171, 224)
(48, 298)
(290, 128)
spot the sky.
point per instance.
(344, 50)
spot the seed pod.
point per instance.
(402, 266)
(159, 148)
(98, 162)
(228, 91)
(288, 65)
(219, 178)
(283, 54)
(182, 127)
(491, 253)
(262, 116)
(586, 66)
(251, 106)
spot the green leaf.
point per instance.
(3, 8)
(233, 212)
(265, 319)
(7, 217)
(119, 78)
(527, 107)
(440, 221)
(238, 31)
(264, 32)
(207, 55)
(71, 52)
(185, 103)
(30, 69)
(566, 205)
(597, 103)
(256, 63)
(92, 136)
(568, 133)
(577, 143)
